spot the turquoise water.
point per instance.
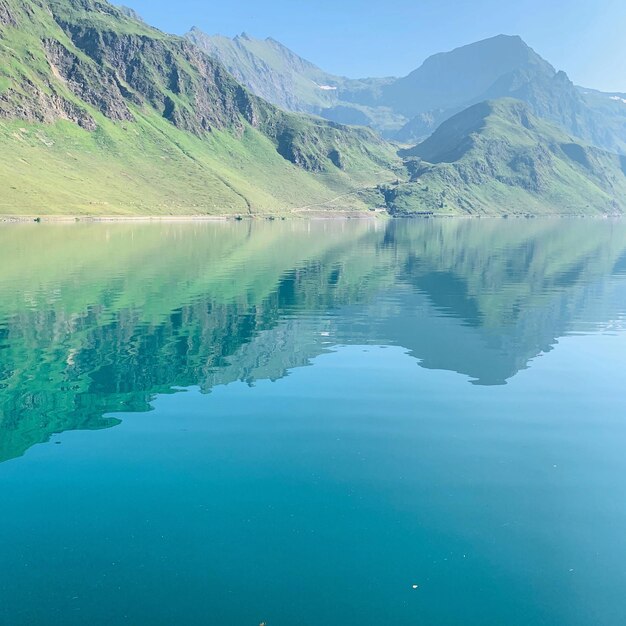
(298, 423)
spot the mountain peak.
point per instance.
(503, 52)
(454, 137)
(131, 13)
(458, 78)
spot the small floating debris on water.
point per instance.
(416, 586)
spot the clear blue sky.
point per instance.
(366, 38)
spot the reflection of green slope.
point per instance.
(114, 314)
(102, 317)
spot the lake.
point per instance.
(305, 423)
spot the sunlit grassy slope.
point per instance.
(498, 158)
(148, 167)
(101, 114)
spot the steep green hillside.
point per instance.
(101, 114)
(497, 157)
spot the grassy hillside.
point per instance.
(147, 167)
(498, 158)
(101, 114)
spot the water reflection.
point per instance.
(96, 319)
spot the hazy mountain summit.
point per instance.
(271, 70)
(277, 74)
(500, 67)
(451, 79)
(409, 109)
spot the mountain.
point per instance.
(277, 74)
(409, 109)
(271, 71)
(500, 67)
(503, 67)
(497, 156)
(452, 79)
(102, 114)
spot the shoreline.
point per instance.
(321, 215)
(270, 217)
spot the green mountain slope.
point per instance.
(497, 157)
(102, 114)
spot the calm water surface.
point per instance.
(297, 423)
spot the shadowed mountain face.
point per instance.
(101, 321)
(500, 67)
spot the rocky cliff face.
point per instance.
(191, 90)
(128, 12)
(6, 17)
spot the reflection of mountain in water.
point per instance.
(97, 319)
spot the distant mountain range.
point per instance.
(101, 114)
(409, 109)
